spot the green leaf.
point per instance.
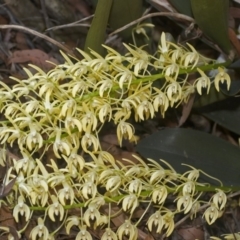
(183, 6)
(97, 32)
(225, 113)
(212, 18)
(124, 12)
(216, 157)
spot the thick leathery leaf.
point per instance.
(212, 18)
(183, 6)
(97, 32)
(124, 12)
(212, 97)
(235, 65)
(212, 155)
(225, 113)
(233, 90)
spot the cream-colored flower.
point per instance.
(60, 145)
(171, 70)
(176, 53)
(75, 160)
(34, 139)
(12, 110)
(156, 220)
(168, 219)
(46, 89)
(16, 134)
(130, 202)
(113, 183)
(222, 77)
(79, 87)
(39, 191)
(159, 194)
(135, 186)
(89, 140)
(124, 131)
(134, 170)
(157, 176)
(139, 60)
(202, 82)
(69, 108)
(39, 231)
(190, 59)
(22, 209)
(164, 45)
(21, 184)
(109, 235)
(97, 201)
(105, 112)
(105, 86)
(160, 100)
(128, 104)
(83, 234)
(55, 209)
(91, 214)
(31, 106)
(105, 157)
(99, 63)
(56, 179)
(70, 222)
(192, 175)
(145, 110)
(106, 174)
(127, 229)
(211, 214)
(26, 164)
(66, 194)
(194, 210)
(188, 187)
(89, 121)
(234, 236)
(124, 77)
(174, 92)
(140, 29)
(219, 199)
(71, 123)
(89, 190)
(184, 203)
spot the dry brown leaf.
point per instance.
(187, 107)
(21, 41)
(33, 56)
(6, 218)
(6, 189)
(111, 139)
(234, 12)
(234, 40)
(191, 233)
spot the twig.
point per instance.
(28, 30)
(73, 24)
(167, 14)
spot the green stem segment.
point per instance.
(145, 194)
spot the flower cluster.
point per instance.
(125, 187)
(62, 111)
